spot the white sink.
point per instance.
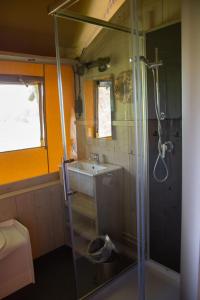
(86, 167)
(82, 174)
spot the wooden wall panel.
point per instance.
(58, 216)
(41, 210)
(26, 215)
(43, 214)
(8, 209)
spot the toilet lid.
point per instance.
(2, 241)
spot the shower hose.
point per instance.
(162, 148)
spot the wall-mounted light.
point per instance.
(102, 63)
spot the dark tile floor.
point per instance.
(91, 276)
(54, 276)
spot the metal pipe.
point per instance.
(157, 63)
(70, 15)
(71, 4)
(140, 136)
(54, 8)
(67, 192)
(60, 90)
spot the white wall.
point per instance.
(191, 149)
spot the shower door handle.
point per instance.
(68, 161)
(71, 193)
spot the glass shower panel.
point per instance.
(159, 76)
(101, 181)
(124, 190)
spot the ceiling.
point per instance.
(26, 26)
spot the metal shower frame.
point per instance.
(140, 125)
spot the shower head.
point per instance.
(150, 65)
(102, 63)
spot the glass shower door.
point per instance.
(159, 82)
(101, 183)
(123, 192)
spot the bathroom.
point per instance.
(105, 192)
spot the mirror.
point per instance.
(99, 105)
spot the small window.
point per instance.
(103, 108)
(21, 113)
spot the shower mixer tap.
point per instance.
(94, 157)
(162, 116)
(166, 147)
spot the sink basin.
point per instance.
(86, 167)
(83, 173)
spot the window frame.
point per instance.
(25, 80)
(96, 112)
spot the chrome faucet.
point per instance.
(94, 157)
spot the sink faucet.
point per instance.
(94, 157)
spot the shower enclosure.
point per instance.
(128, 134)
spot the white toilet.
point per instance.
(16, 263)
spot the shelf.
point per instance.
(84, 229)
(84, 205)
(81, 246)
